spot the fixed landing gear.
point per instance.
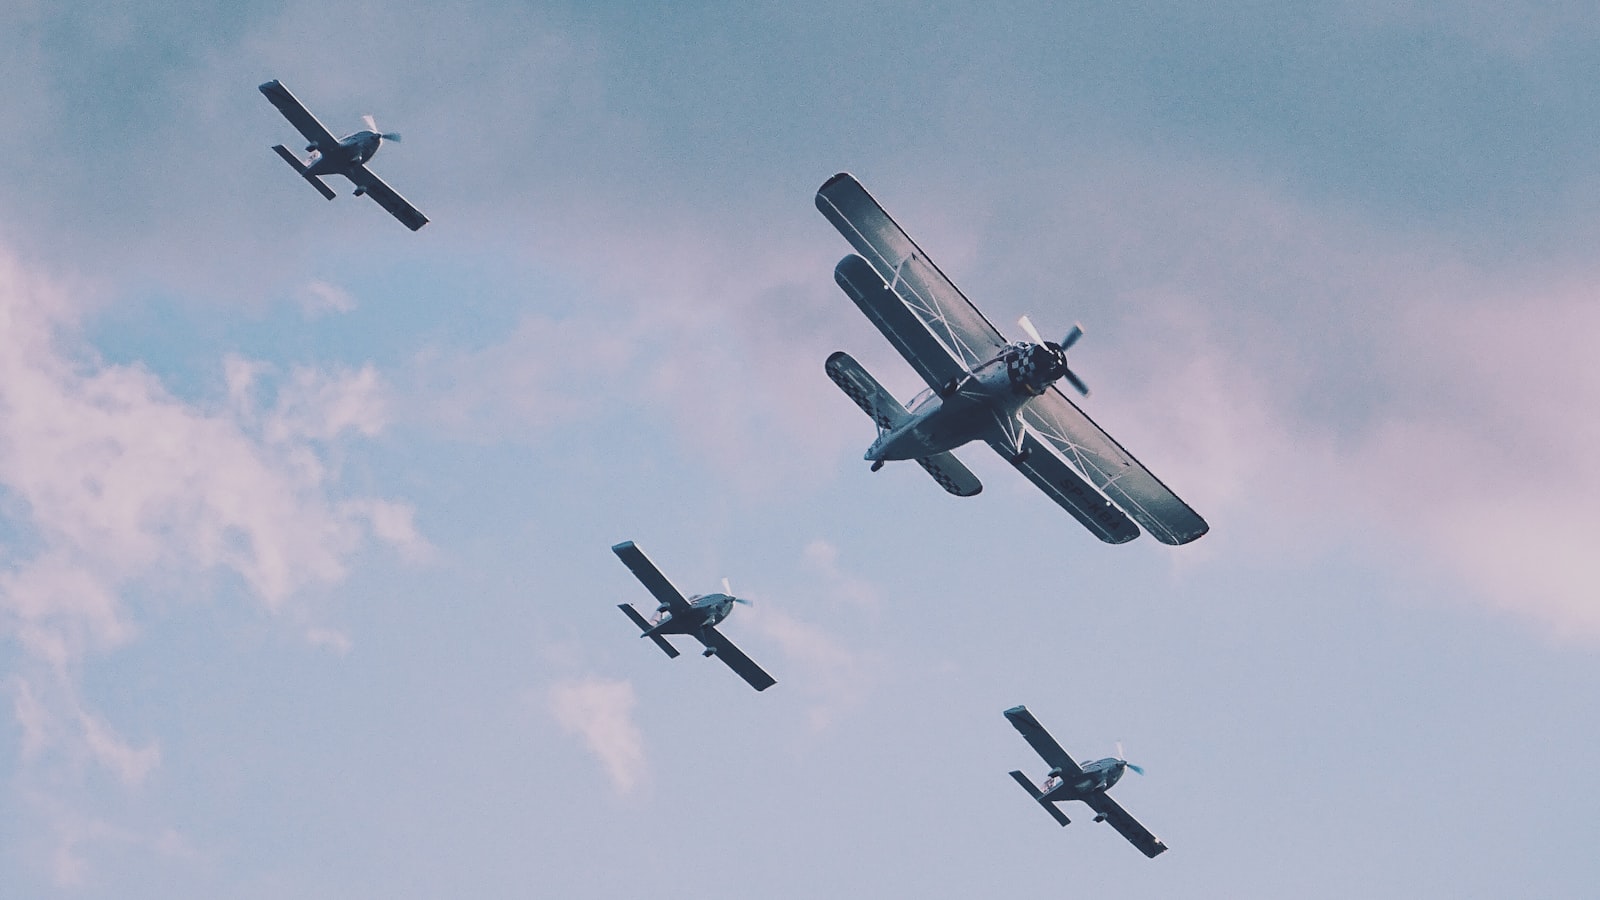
(877, 464)
(709, 651)
(1021, 456)
(949, 388)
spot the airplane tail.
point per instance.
(644, 628)
(300, 167)
(1035, 793)
(887, 413)
(881, 406)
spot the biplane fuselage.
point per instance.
(968, 408)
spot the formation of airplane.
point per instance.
(1067, 780)
(345, 156)
(695, 616)
(982, 387)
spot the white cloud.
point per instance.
(601, 712)
(109, 483)
(319, 298)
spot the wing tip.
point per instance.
(835, 179)
(623, 547)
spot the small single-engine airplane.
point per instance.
(695, 616)
(1069, 781)
(345, 156)
(982, 387)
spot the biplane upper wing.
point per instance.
(724, 650)
(397, 205)
(297, 114)
(1041, 741)
(1126, 825)
(651, 577)
(930, 297)
(1112, 469)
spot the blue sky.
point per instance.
(305, 581)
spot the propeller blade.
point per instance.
(391, 136)
(372, 124)
(1130, 765)
(1029, 330)
(1072, 337)
(1077, 382)
(726, 589)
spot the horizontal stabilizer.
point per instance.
(885, 411)
(951, 474)
(630, 612)
(1033, 792)
(300, 167)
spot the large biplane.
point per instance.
(982, 387)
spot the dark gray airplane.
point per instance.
(982, 387)
(1069, 781)
(694, 616)
(345, 156)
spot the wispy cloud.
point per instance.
(110, 482)
(600, 711)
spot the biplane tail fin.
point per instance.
(880, 405)
(1034, 792)
(644, 628)
(305, 173)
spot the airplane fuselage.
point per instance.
(1097, 776)
(705, 610)
(969, 408)
(352, 150)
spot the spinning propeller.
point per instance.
(1130, 765)
(729, 592)
(372, 126)
(1060, 350)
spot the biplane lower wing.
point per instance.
(723, 649)
(1112, 469)
(1051, 474)
(1126, 825)
(883, 307)
(1051, 808)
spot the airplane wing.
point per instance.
(397, 206)
(297, 114)
(1126, 825)
(932, 360)
(1111, 469)
(651, 577)
(735, 658)
(1051, 474)
(1041, 741)
(930, 297)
